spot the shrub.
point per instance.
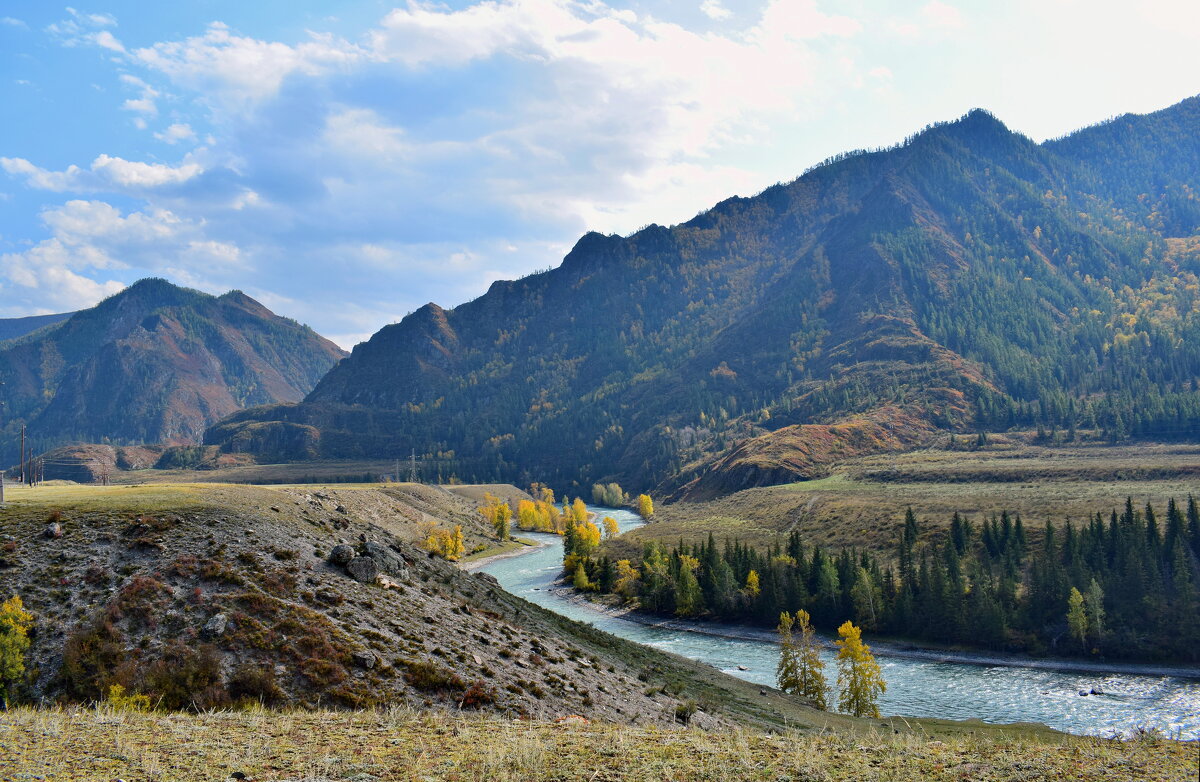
(431, 677)
(255, 683)
(684, 711)
(477, 696)
(186, 678)
(90, 657)
(119, 701)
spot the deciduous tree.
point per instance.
(860, 678)
(15, 622)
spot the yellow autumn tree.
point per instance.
(611, 530)
(860, 678)
(15, 622)
(1077, 622)
(579, 511)
(752, 586)
(645, 506)
(811, 684)
(625, 583)
(497, 513)
(446, 544)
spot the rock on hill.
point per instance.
(154, 363)
(966, 279)
(207, 596)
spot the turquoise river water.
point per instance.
(994, 689)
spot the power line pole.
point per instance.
(23, 453)
(412, 467)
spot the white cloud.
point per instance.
(942, 15)
(92, 20)
(107, 173)
(145, 102)
(223, 66)
(86, 29)
(176, 132)
(107, 40)
(13, 22)
(714, 10)
(93, 239)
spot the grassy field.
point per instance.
(94, 744)
(862, 502)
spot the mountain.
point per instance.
(968, 279)
(154, 363)
(11, 328)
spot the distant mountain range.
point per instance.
(11, 328)
(967, 280)
(155, 363)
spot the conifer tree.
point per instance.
(860, 678)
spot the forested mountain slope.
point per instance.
(966, 279)
(154, 363)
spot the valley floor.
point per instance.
(91, 744)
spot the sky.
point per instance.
(347, 162)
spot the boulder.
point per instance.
(341, 554)
(388, 560)
(54, 530)
(364, 659)
(363, 569)
(215, 627)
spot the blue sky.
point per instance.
(347, 162)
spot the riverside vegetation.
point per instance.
(1125, 585)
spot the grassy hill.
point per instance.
(211, 596)
(967, 279)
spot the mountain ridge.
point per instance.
(155, 363)
(967, 279)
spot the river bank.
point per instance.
(881, 647)
(924, 683)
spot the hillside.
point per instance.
(212, 596)
(12, 328)
(967, 279)
(153, 364)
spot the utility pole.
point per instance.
(412, 467)
(23, 454)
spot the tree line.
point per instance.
(1122, 586)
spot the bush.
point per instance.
(118, 700)
(684, 712)
(255, 683)
(431, 677)
(477, 696)
(186, 678)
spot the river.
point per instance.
(1001, 693)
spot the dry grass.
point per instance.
(862, 502)
(93, 744)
